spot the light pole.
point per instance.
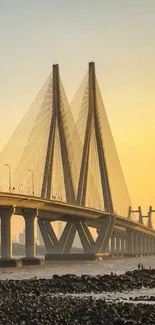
(32, 173)
(10, 186)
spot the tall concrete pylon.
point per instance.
(72, 225)
(101, 181)
(57, 122)
(93, 116)
(47, 150)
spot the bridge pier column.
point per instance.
(153, 244)
(85, 236)
(66, 240)
(125, 245)
(130, 242)
(29, 216)
(102, 241)
(113, 243)
(108, 247)
(122, 245)
(140, 237)
(148, 245)
(6, 244)
(117, 244)
(135, 242)
(45, 235)
(144, 244)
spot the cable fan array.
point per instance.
(47, 148)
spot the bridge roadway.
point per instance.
(57, 210)
(127, 236)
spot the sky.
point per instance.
(119, 37)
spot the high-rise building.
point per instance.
(22, 238)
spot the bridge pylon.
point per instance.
(58, 127)
(92, 128)
(78, 156)
(72, 225)
(93, 122)
(96, 136)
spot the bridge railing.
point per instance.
(90, 201)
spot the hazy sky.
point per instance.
(119, 36)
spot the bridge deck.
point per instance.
(50, 209)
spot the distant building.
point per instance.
(21, 239)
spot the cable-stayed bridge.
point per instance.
(61, 164)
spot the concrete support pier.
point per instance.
(140, 248)
(6, 214)
(113, 244)
(122, 245)
(30, 259)
(29, 216)
(6, 243)
(148, 245)
(152, 245)
(135, 242)
(129, 251)
(144, 250)
(117, 245)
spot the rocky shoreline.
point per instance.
(44, 301)
(71, 283)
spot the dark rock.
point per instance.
(38, 301)
(119, 321)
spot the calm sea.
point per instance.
(80, 267)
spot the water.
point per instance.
(118, 266)
(47, 270)
(119, 296)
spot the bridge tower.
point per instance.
(83, 161)
(93, 117)
(105, 227)
(57, 123)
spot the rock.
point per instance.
(119, 321)
(43, 301)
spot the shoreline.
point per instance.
(71, 283)
(47, 301)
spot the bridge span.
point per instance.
(126, 235)
(69, 150)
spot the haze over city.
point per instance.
(119, 37)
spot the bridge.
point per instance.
(61, 164)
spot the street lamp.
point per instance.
(32, 173)
(9, 177)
